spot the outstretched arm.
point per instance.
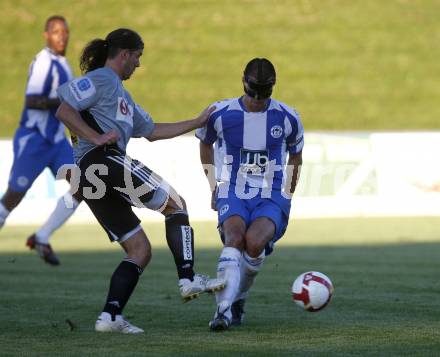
(293, 172)
(170, 130)
(207, 159)
(41, 102)
(72, 119)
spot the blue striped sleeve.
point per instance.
(295, 138)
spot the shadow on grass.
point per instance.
(384, 296)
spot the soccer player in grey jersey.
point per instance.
(103, 117)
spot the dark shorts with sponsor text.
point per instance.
(112, 184)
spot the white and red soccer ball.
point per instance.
(312, 291)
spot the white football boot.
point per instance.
(190, 290)
(105, 324)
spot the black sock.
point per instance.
(180, 239)
(122, 284)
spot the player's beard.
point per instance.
(128, 73)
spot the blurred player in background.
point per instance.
(253, 136)
(40, 140)
(98, 109)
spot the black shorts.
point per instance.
(112, 183)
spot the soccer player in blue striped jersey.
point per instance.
(253, 169)
(40, 139)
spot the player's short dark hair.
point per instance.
(261, 70)
(259, 77)
(98, 50)
(52, 19)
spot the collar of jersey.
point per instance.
(53, 53)
(240, 101)
(110, 70)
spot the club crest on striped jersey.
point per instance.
(276, 131)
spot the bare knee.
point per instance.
(174, 205)
(234, 237)
(144, 258)
(138, 249)
(260, 232)
(11, 199)
(254, 244)
(78, 196)
(141, 256)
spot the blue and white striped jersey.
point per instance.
(251, 148)
(46, 73)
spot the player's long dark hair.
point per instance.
(98, 50)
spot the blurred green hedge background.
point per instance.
(343, 64)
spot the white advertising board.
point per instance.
(344, 175)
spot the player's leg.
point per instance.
(233, 216)
(61, 166)
(40, 239)
(179, 235)
(259, 233)
(228, 268)
(268, 224)
(30, 159)
(123, 283)
(180, 239)
(65, 207)
(149, 190)
(115, 215)
(9, 201)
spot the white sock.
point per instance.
(229, 269)
(65, 207)
(4, 213)
(105, 316)
(249, 268)
(108, 317)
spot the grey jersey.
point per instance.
(102, 94)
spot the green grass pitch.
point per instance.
(386, 302)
